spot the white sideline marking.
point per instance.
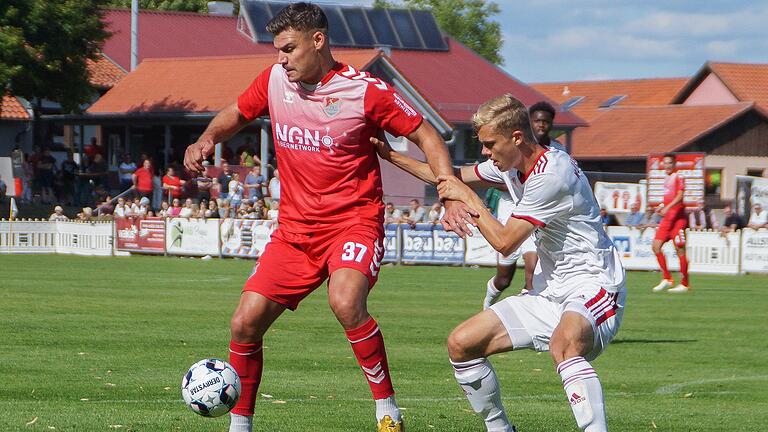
(672, 388)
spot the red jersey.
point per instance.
(329, 170)
(143, 180)
(673, 184)
(173, 181)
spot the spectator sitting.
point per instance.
(635, 216)
(165, 209)
(405, 216)
(3, 190)
(651, 220)
(272, 213)
(759, 217)
(175, 208)
(274, 186)
(186, 211)
(86, 215)
(144, 210)
(697, 219)
(259, 209)
(417, 213)
(126, 170)
(436, 212)
(106, 207)
(733, 222)
(58, 215)
(392, 214)
(120, 208)
(225, 210)
(132, 207)
(202, 209)
(213, 210)
(243, 210)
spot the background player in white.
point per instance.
(577, 303)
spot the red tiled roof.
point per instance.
(457, 81)
(104, 73)
(639, 92)
(12, 109)
(195, 84)
(164, 34)
(635, 132)
(748, 82)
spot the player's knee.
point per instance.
(244, 329)
(460, 346)
(349, 312)
(502, 282)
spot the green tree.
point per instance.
(468, 21)
(44, 47)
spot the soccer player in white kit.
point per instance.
(578, 299)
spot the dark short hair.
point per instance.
(542, 106)
(670, 155)
(300, 16)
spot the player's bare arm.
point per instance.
(504, 238)
(226, 123)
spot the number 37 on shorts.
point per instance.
(362, 254)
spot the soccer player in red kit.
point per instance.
(672, 227)
(323, 115)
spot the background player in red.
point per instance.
(672, 227)
(323, 115)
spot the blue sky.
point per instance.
(567, 40)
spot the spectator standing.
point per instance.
(45, 167)
(274, 186)
(236, 189)
(733, 221)
(3, 190)
(223, 180)
(254, 183)
(58, 215)
(246, 159)
(125, 172)
(173, 184)
(635, 217)
(204, 184)
(98, 171)
(392, 214)
(436, 212)
(759, 217)
(142, 179)
(418, 213)
(69, 170)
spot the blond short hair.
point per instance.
(505, 114)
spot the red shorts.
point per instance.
(293, 265)
(672, 229)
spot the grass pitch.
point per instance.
(101, 344)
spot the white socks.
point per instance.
(388, 407)
(478, 380)
(491, 294)
(585, 394)
(238, 423)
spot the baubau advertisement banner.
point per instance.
(448, 247)
(713, 252)
(245, 238)
(140, 235)
(418, 244)
(754, 251)
(690, 166)
(192, 236)
(619, 197)
(391, 243)
(634, 246)
(479, 251)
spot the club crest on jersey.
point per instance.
(331, 106)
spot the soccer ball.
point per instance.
(211, 387)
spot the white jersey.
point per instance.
(574, 250)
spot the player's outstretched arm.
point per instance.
(226, 123)
(504, 238)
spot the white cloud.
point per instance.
(721, 49)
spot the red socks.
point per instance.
(368, 346)
(663, 264)
(248, 361)
(684, 269)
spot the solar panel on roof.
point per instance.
(382, 27)
(612, 101)
(354, 26)
(358, 26)
(409, 36)
(570, 103)
(430, 32)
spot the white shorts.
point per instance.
(529, 245)
(530, 319)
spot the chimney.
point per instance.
(223, 8)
